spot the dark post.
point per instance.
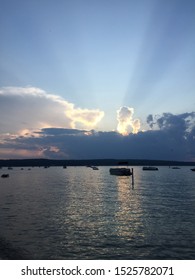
(132, 177)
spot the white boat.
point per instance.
(150, 168)
(120, 171)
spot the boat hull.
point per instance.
(150, 168)
(4, 175)
(120, 171)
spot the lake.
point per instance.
(81, 213)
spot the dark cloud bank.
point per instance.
(171, 137)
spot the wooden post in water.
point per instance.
(132, 177)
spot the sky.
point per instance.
(97, 79)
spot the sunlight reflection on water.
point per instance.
(79, 213)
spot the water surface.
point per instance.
(80, 213)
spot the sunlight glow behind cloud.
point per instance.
(126, 121)
(30, 108)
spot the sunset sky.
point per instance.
(97, 79)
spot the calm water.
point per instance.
(80, 213)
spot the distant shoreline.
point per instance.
(88, 162)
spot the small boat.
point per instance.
(95, 168)
(64, 166)
(193, 169)
(150, 168)
(175, 167)
(4, 175)
(120, 171)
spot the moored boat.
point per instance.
(4, 175)
(152, 168)
(94, 168)
(120, 171)
(175, 167)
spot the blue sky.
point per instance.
(94, 57)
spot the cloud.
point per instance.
(172, 139)
(136, 125)
(86, 117)
(178, 124)
(179, 131)
(125, 121)
(51, 127)
(150, 120)
(31, 108)
(60, 131)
